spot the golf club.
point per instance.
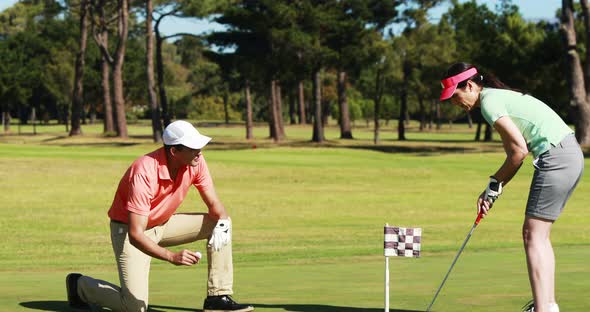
(479, 216)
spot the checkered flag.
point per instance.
(399, 242)
(402, 242)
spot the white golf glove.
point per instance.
(221, 235)
(493, 190)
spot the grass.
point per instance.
(307, 221)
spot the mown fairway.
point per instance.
(308, 222)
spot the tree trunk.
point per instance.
(66, 112)
(401, 130)
(117, 61)
(78, 94)
(160, 75)
(279, 110)
(7, 119)
(478, 131)
(438, 116)
(300, 97)
(422, 113)
(102, 39)
(318, 130)
(377, 102)
(34, 119)
(488, 133)
(149, 55)
(119, 94)
(326, 112)
(273, 120)
(109, 125)
(345, 129)
(292, 105)
(249, 134)
(579, 88)
(407, 118)
(431, 113)
(226, 107)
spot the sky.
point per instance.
(530, 9)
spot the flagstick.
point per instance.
(386, 284)
(386, 281)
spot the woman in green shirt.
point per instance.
(525, 125)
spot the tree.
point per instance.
(250, 27)
(151, 84)
(349, 34)
(180, 9)
(116, 60)
(579, 85)
(78, 96)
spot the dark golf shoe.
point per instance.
(529, 307)
(224, 303)
(74, 300)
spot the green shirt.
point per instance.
(540, 126)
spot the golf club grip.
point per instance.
(479, 216)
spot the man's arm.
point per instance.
(216, 209)
(137, 237)
(221, 235)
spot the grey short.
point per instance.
(557, 172)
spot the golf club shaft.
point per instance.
(455, 260)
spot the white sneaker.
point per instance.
(530, 307)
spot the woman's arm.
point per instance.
(516, 151)
(514, 146)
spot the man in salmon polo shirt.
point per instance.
(144, 222)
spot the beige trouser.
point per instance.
(134, 265)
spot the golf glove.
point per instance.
(493, 190)
(221, 234)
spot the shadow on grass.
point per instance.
(66, 144)
(324, 308)
(421, 150)
(62, 306)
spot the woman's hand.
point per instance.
(483, 205)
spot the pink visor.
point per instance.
(450, 84)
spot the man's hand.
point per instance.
(221, 235)
(184, 257)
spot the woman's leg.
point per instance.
(540, 261)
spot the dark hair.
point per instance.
(178, 147)
(481, 79)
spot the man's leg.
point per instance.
(540, 261)
(133, 267)
(184, 228)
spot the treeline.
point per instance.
(278, 61)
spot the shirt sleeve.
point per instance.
(140, 195)
(492, 108)
(202, 180)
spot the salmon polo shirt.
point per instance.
(147, 189)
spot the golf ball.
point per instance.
(198, 254)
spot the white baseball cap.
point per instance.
(182, 132)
